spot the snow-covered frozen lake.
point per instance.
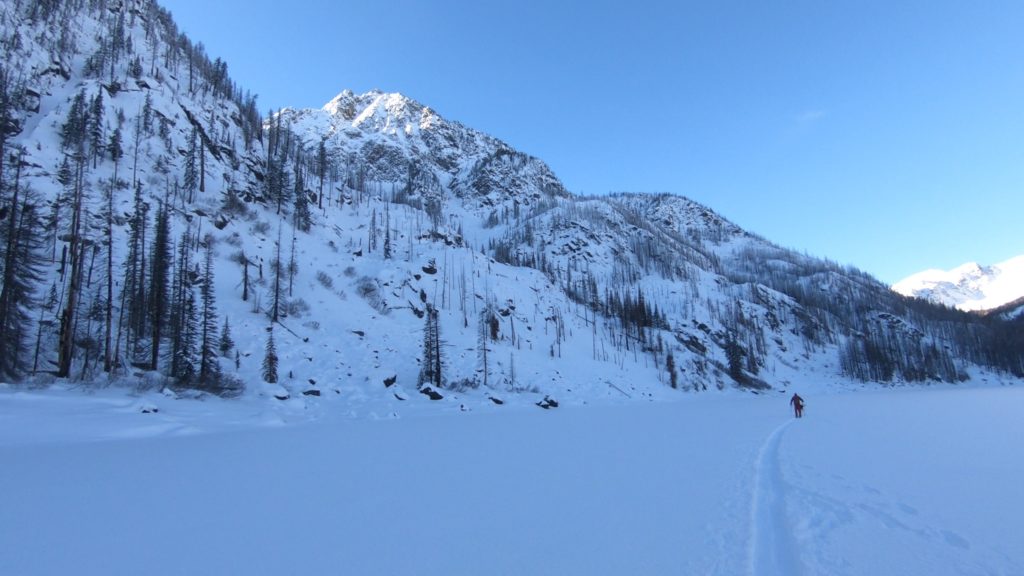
(915, 481)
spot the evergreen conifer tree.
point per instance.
(95, 127)
(21, 242)
(136, 274)
(276, 266)
(179, 326)
(482, 341)
(302, 217)
(293, 264)
(114, 147)
(431, 369)
(73, 131)
(185, 354)
(387, 232)
(7, 106)
(191, 181)
(270, 359)
(321, 169)
(670, 367)
(226, 341)
(209, 359)
(161, 262)
(734, 355)
(76, 249)
(147, 115)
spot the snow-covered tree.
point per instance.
(226, 341)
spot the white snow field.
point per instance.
(914, 481)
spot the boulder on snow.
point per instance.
(390, 380)
(311, 392)
(548, 402)
(431, 393)
(32, 99)
(497, 401)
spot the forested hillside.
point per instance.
(157, 230)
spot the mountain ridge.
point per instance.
(371, 252)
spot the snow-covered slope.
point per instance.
(968, 287)
(320, 241)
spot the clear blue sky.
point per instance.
(886, 135)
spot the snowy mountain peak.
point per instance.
(387, 112)
(970, 286)
(394, 139)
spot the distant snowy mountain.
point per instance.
(968, 287)
(372, 254)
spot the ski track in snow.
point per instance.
(772, 547)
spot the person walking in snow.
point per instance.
(798, 405)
